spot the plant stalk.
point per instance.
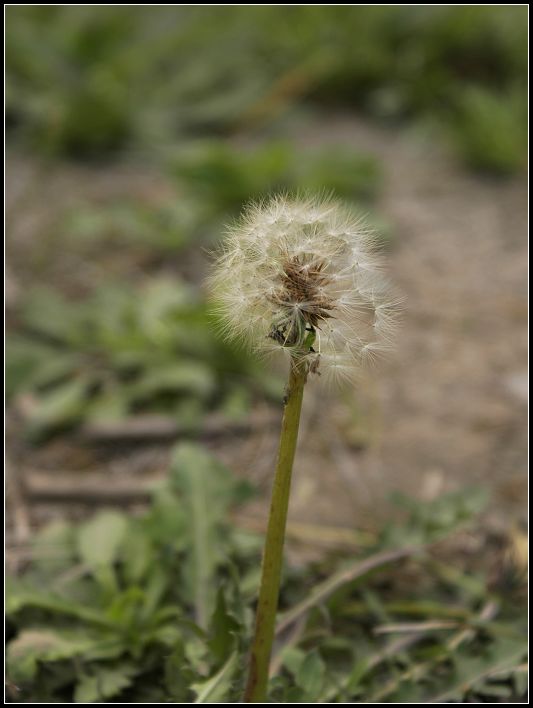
(256, 688)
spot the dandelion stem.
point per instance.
(256, 688)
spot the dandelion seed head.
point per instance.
(304, 277)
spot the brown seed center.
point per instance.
(303, 282)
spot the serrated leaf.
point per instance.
(216, 688)
(177, 675)
(48, 645)
(19, 597)
(104, 683)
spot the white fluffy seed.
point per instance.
(290, 266)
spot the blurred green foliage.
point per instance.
(225, 177)
(125, 350)
(125, 609)
(85, 80)
(208, 184)
(490, 129)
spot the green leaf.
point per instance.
(137, 553)
(43, 644)
(99, 539)
(323, 590)
(216, 688)
(46, 312)
(490, 128)
(104, 683)
(177, 675)
(429, 521)
(30, 362)
(206, 489)
(223, 629)
(181, 376)
(109, 405)
(54, 547)
(18, 598)
(310, 676)
(125, 608)
(60, 406)
(502, 657)
(295, 695)
(293, 658)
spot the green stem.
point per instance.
(267, 605)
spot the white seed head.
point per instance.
(302, 276)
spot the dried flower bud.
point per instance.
(302, 276)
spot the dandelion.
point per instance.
(301, 277)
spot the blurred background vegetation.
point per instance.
(134, 134)
(167, 88)
(87, 82)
